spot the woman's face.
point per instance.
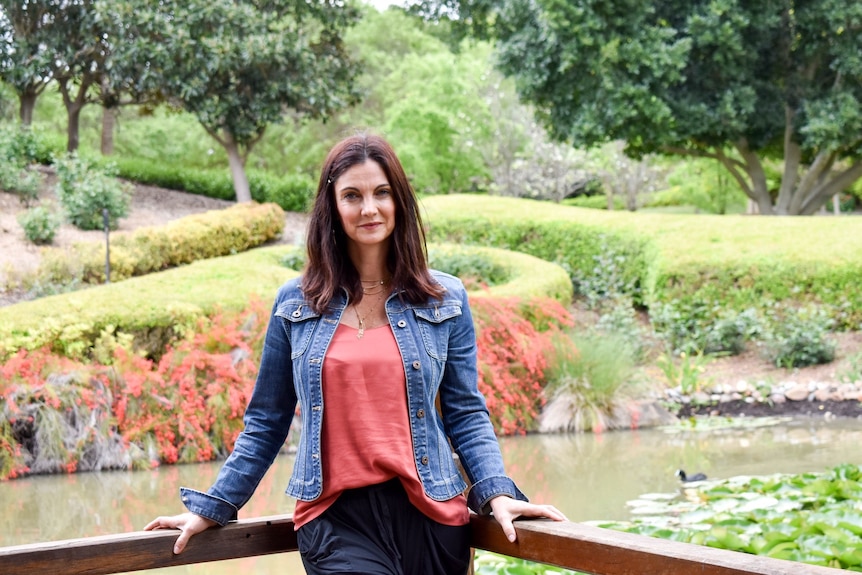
(365, 204)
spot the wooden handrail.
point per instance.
(570, 545)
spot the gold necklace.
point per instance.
(361, 319)
(375, 287)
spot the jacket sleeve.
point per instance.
(267, 421)
(466, 419)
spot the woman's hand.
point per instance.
(506, 510)
(189, 523)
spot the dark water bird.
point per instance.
(686, 479)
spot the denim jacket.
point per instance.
(438, 349)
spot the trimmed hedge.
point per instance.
(734, 261)
(150, 249)
(293, 192)
(541, 229)
(156, 307)
(151, 308)
(527, 277)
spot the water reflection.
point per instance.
(592, 476)
(587, 476)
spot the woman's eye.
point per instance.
(384, 192)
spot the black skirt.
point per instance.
(377, 531)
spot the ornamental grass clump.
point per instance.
(589, 379)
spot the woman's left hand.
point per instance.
(506, 510)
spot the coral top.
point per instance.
(366, 429)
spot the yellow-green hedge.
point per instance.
(155, 308)
(152, 308)
(527, 276)
(146, 250)
(734, 261)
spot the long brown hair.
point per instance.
(328, 267)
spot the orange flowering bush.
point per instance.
(514, 341)
(63, 415)
(123, 410)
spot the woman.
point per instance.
(365, 341)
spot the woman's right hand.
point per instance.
(189, 523)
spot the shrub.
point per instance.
(705, 327)
(59, 415)
(474, 268)
(292, 192)
(40, 224)
(85, 191)
(594, 202)
(799, 337)
(146, 250)
(20, 181)
(512, 358)
(618, 319)
(155, 309)
(588, 376)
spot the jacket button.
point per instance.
(402, 323)
(424, 460)
(296, 313)
(420, 414)
(416, 364)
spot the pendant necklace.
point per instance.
(361, 319)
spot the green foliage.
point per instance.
(797, 337)
(600, 262)
(704, 184)
(588, 378)
(595, 202)
(19, 147)
(619, 318)
(742, 262)
(685, 373)
(20, 181)
(151, 249)
(238, 79)
(85, 190)
(705, 327)
(487, 563)
(472, 267)
(810, 518)
(153, 309)
(693, 78)
(40, 224)
(293, 192)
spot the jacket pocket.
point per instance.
(435, 324)
(299, 321)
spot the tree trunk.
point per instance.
(73, 128)
(27, 103)
(237, 170)
(109, 119)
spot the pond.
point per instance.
(588, 476)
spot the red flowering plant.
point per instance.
(55, 416)
(63, 415)
(513, 356)
(189, 406)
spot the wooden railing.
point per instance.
(570, 545)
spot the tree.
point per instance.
(26, 63)
(80, 42)
(238, 66)
(737, 81)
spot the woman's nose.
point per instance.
(369, 206)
